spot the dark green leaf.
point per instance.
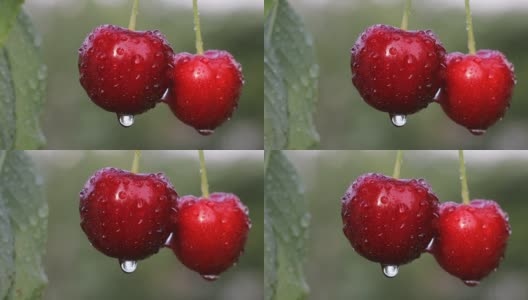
(8, 11)
(270, 258)
(7, 245)
(292, 45)
(7, 104)
(23, 191)
(286, 212)
(275, 104)
(28, 75)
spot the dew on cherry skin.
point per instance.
(210, 277)
(398, 120)
(390, 271)
(128, 266)
(205, 132)
(126, 120)
(477, 131)
(471, 282)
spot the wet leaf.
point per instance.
(7, 245)
(8, 11)
(275, 104)
(286, 37)
(22, 190)
(286, 225)
(7, 104)
(28, 74)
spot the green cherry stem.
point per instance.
(398, 164)
(469, 27)
(406, 13)
(133, 15)
(135, 162)
(203, 172)
(463, 177)
(197, 29)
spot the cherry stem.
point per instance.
(135, 162)
(463, 177)
(133, 15)
(469, 27)
(203, 172)
(197, 30)
(406, 13)
(398, 164)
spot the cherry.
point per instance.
(470, 240)
(124, 71)
(126, 215)
(209, 233)
(387, 220)
(478, 89)
(205, 88)
(397, 71)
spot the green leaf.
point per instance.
(286, 37)
(7, 245)
(7, 104)
(23, 191)
(8, 11)
(286, 224)
(267, 4)
(275, 104)
(28, 74)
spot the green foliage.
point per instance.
(23, 75)
(7, 245)
(286, 229)
(8, 11)
(22, 193)
(291, 80)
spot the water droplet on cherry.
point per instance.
(398, 120)
(128, 266)
(126, 120)
(390, 271)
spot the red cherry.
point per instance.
(205, 88)
(209, 233)
(389, 220)
(124, 71)
(126, 215)
(478, 89)
(397, 71)
(470, 240)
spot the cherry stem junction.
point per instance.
(398, 164)
(203, 173)
(463, 177)
(469, 27)
(197, 29)
(406, 13)
(135, 162)
(133, 15)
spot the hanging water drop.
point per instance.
(477, 131)
(398, 120)
(128, 266)
(471, 282)
(210, 277)
(205, 132)
(126, 120)
(390, 271)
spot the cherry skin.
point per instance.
(209, 234)
(124, 71)
(397, 71)
(470, 240)
(387, 220)
(478, 89)
(205, 88)
(127, 215)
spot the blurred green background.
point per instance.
(335, 271)
(72, 121)
(345, 121)
(76, 270)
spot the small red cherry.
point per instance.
(209, 234)
(470, 240)
(127, 215)
(124, 71)
(387, 220)
(397, 71)
(205, 89)
(478, 89)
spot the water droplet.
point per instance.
(477, 131)
(471, 282)
(390, 271)
(126, 120)
(210, 277)
(205, 131)
(399, 120)
(128, 266)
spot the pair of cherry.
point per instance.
(400, 72)
(128, 72)
(393, 221)
(131, 216)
